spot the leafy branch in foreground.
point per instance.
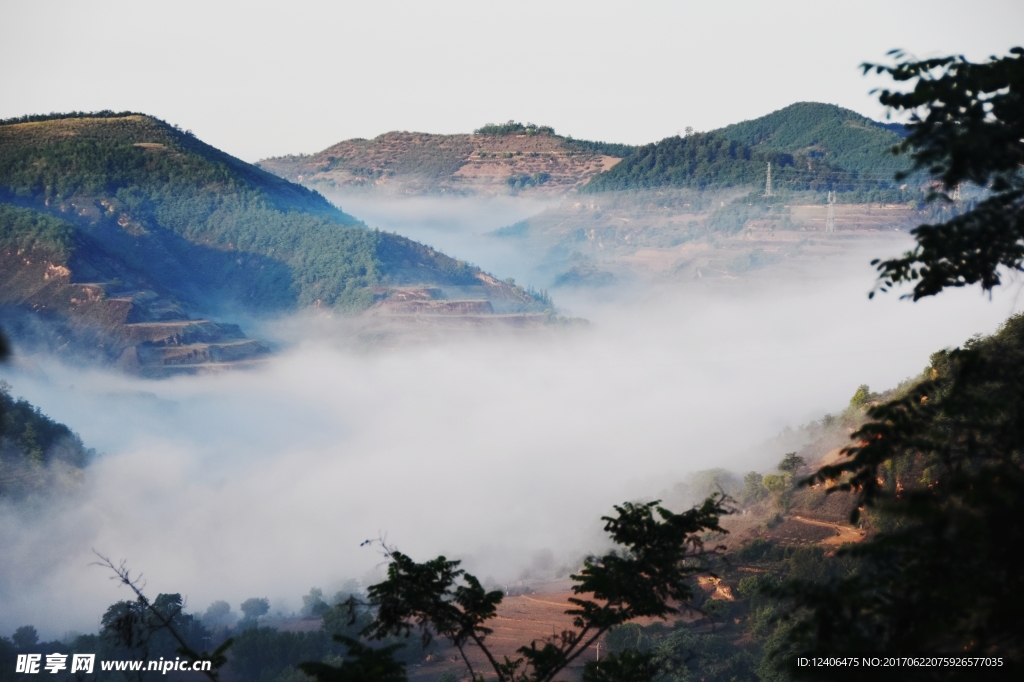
(650, 575)
(128, 624)
(967, 126)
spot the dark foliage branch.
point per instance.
(966, 126)
(967, 416)
(629, 666)
(128, 625)
(430, 598)
(364, 664)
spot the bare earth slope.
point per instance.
(421, 163)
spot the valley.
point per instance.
(510, 320)
(658, 236)
(494, 342)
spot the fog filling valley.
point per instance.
(500, 449)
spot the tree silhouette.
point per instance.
(967, 126)
(650, 575)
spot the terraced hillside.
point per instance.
(502, 160)
(120, 236)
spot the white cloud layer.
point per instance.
(263, 483)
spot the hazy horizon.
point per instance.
(259, 79)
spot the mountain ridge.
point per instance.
(116, 220)
(811, 146)
(816, 146)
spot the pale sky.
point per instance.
(266, 78)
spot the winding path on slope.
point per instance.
(845, 533)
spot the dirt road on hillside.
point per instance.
(845, 533)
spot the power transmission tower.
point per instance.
(830, 219)
(768, 182)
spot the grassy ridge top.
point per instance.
(198, 222)
(88, 150)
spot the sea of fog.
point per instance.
(500, 449)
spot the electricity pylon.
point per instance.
(768, 181)
(830, 219)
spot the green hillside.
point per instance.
(25, 230)
(812, 147)
(699, 161)
(36, 453)
(194, 222)
(842, 138)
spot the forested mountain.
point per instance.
(699, 161)
(36, 453)
(840, 137)
(196, 221)
(109, 220)
(812, 147)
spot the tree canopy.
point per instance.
(840, 137)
